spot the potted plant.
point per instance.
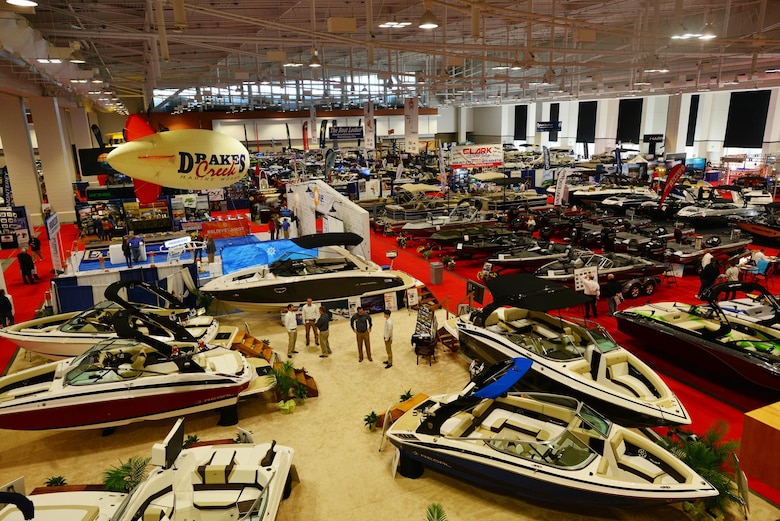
(126, 476)
(288, 387)
(407, 395)
(448, 261)
(55, 481)
(435, 512)
(401, 240)
(370, 421)
(711, 457)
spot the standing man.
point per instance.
(6, 310)
(614, 293)
(290, 323)
(388, 337)
(126, 250)
(593, 290)
(35, 246)
(310, 312)
(323, 325)
(26, 266)
(361, 325)
(135, 246)
(197, 253)
(286, 228)
(272, 227)
(211, 248)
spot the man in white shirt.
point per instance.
(388, 337)
(706, 259)
(759, 255)
(290, 323)
(311, 312)
(592, 288)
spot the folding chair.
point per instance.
(668, 275)
(764, 271)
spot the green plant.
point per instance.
(55, 481)
(406, 395)
(266, 341)
(191, 440)
(126, 476)
(202, 300)
(711, 457)
(401, 241)
(435, 512)
(370, 420)
(448, 261)
(427, 254)
(287, 384)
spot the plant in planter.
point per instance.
(406, 395)
(288, 387)
(370, 420)
(189, 441)
(401, 241)
(711, 457)
(448, 261)
(435, 512)
(126, 476)
(55, 481)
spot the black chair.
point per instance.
(425, 346)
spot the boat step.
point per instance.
(448, 340)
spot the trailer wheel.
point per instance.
(649, 288)
(634, 290)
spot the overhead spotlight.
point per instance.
(516, 65)
(708, 32)
(684, 34)
(315, 60)
(22, 3)
(428, 20)
(77, 57)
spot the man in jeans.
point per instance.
(290, 323)
(361, 325)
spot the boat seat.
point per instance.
(80, 512)
(156, 513)
(545, 331)
(457, 425)
(228, 362)
(481, 408)
(618, 373)
(636, 465)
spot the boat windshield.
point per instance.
(600, 338)
(96, 320)
(566, 451)
(108, 361)
(595, 420)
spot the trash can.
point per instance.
(437, 271)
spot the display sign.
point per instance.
(411, 125)
(370, 130)
(52, 232)
(225, 229)
(653, 138)
(548, 126)
(477, 156)
(561, 188)
(345, 132)
(581, 273)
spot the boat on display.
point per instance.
(595, 194)
(463, 215)
(237, 480)
(572, 356)
(622, 265)
(764, 226)
(621, 203)
(719, 245)
(738, 337)
(130, 379)
(67, 335)
(531, 256)
(539, 446)
(716, 213)
(335, 274)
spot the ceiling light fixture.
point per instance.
(708, 32)
(394, 25)
(77, 57)
(22, 3)
(428, 20)
(315, 60)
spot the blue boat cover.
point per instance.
(510, 378)
(244, 256)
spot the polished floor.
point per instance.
(345, 471)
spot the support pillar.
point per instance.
(19, 156)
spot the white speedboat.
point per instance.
(539, 446)
(569, 355)
(121, 381)
(209, 483)
(335, 275)
(66, 335)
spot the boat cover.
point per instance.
(527, 291)
(318, 240)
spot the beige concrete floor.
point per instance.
(343, 473)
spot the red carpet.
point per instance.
(707, 401)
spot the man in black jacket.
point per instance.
(26, 265)
(614, 293)
(6, 310)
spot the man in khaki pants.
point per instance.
(361, 325)
(290, 323)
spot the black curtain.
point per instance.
(521, 122)
(629, 120)
(693, 113)
(555, 110)
(747, 119)
(586, 122)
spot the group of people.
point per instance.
(613, 291)
(132, 248)
(316, 321)
(277, 228)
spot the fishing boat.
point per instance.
(570, 355)
(622, 265)
(66, 335)
(539, 446)
(733, 338)
(532, 256)
(334, 275)
(238, 480)
(126, 380)
(463, 215)
(719, 245)
(765, 226)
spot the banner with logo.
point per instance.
(370, 131)
(225, 229)
(672, 177)
(476, 156)
(560, 188)
(546, 157)
(411, 125)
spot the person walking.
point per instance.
(388, 337)
(361, 324)
(272, 227)
(290, 322)
(26, 266)
(614, 293)
(310, 313)
(592, 289)
(6, 310)
(211, 248)
(127, 251)
(323, 327)
(136, 242)
(35, 247)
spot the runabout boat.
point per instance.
(69, 334)
(622, 265)
(335, 274)
(765, 226)
(719, 245)
(244, 480)
(539, 446)
(739, 337)
(569, 355)
(125, 380)
(530, 257)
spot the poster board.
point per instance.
(581, 273)
(412, 297)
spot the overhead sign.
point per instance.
(477, 156)
(548, 126)
(345, 132)
(653, 138)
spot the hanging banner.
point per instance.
(476, 156)
(411, 125)
(370, 131)
(443, 169)
(548, 126)
(305, 136)
(313, 125)
(546, 157)
(672, 178)
(337, 133)
(560, 188)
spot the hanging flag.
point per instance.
(411, 125)
(369, 133)
(323, 129)
(305, 136)
(289, 141)
(546, 157)
(672, 177)
(618, 163)
(313, 124)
